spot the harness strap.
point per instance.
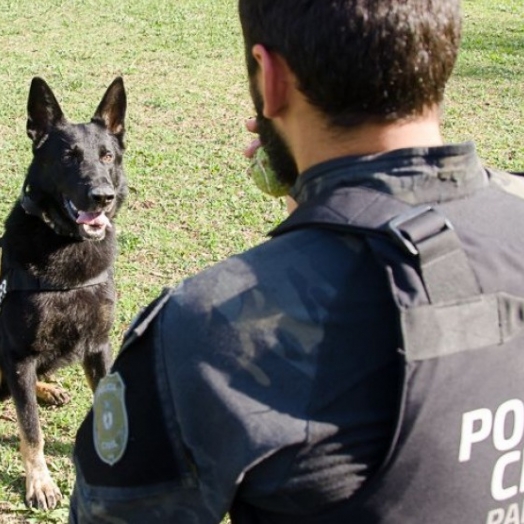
(16, 279)
(457, 315)
(422, 232)
(21, 280)
(445, 270)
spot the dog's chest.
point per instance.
(68, 324)
(75, 310)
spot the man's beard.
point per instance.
(280, 158)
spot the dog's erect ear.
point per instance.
(112, 109)
(43, 111)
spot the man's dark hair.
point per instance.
(360, 60)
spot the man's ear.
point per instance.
(274, 80)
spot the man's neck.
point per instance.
(313, 143)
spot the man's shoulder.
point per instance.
(270, 275)
(310, 256)
(196, 296)
(511, 183)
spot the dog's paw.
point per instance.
(42, 492)
(51, 394)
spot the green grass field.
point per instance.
(190, 203)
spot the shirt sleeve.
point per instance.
(150, 477)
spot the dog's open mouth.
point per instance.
(92, 224)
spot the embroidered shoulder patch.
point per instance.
(110, 426)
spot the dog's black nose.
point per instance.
(102, 195)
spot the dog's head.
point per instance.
(76, 179)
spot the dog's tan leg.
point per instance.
(41, 491)
(90, 379)
(96, 365)
(51, 394)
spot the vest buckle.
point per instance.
(416, 225)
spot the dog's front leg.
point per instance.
(96, 365)
(41, 491)
(4, 389)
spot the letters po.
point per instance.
(505, 429)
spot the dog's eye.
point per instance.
(107, 157)
(73, 155)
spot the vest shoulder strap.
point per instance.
(455, 315)
(425, 236)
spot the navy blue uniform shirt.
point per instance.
(270, 380)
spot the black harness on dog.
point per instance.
(15, 278)
(18, 279)
(33, 209)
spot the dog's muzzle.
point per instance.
(92, 225)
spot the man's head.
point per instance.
(358, 61)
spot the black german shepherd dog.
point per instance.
(56, 280)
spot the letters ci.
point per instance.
(506, 429)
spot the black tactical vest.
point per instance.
(458, 453)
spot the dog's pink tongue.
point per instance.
(93, 219)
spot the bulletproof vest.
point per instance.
(457, 453)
